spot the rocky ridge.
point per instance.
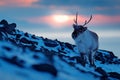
(58, 59)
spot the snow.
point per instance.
(13, 72)
(68, 72)
(109, 67)
(103, 52)
(1, 25)
(65, 71)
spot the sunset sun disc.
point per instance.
(60, 18)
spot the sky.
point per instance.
(54, 18)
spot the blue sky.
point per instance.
(45, 18)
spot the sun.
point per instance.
(60, 18)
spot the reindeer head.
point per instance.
(80, 28)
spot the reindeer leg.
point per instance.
(83, 59)
(91, 59)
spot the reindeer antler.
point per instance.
(75, 20)
(86, 22)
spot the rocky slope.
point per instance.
(24, 56)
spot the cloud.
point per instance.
(90, 6)
(77, 2)
(97, 20)
(108, 33)
(82, 3)
(23, 3)
(49, 20)
(104, 19)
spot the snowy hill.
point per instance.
(24, 56)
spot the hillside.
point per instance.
(24, 56)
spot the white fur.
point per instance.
(87, 43)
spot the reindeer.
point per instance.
(86, 42)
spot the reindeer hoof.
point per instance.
(92, 65)
(83, 63)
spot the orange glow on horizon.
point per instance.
(60, 21)
(20, 3)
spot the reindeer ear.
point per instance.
(74, 26)
(85, 28)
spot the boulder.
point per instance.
(50, 43)
(69, 46)
(45, 68)
(26, 34)
(7, 48)
(34, 37)
(26, 41)
(101, 71)
(4, 22)
(114, 75)
(14, 60)
(105, 56)
(10, 28)
(18, 36)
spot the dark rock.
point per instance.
(4, 22)
(62, 51)
(114, 75)
(62, 45)
(1, 38)
(60, 55)
(7, 48)
(10, 28)
(50, 43)
(32, 47)
(34, 37)
(18, 36)
(69, 46)
(36, 56)
(26, 41)
(12, 41)
(26, 34)
(2, 29)
(116, 61)
(101, 71)
(100, 57)
(78, 60)
(22, 61)
(13, 60)
(107, 57)
(104, 78)
(45, 68)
